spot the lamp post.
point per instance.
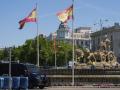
(55, 60)
(101, 26)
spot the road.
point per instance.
(76, 88)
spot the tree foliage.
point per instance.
(28, 52)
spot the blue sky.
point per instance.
(86, 13)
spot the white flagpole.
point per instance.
(37, 35)
(73, 44)
(55, 52)
(10, 82)
(55, 60)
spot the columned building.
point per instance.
(112, 33)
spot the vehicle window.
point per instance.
(4, 69)
(33, 68)
(17, 69)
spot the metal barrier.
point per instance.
(24, 83)
(17, 83)
(6, 82)
(1, 82)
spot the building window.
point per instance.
(111, 43)
(99, 41)
(66, 34)
(86, 43)
(81, 42)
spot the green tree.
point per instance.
(28, 52)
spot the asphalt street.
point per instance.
(75, 88)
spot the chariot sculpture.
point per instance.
(102, 57)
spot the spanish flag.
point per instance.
(30, 18)
(66, 14)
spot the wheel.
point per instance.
(31, 87)
(41, 86)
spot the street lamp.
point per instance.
(101, 26)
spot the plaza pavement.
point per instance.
(75, 88)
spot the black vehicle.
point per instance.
(35, 77)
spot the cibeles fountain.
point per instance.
(101, 58)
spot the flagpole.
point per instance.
(37, 35)
(73, 44)
(55, 60)
(10, 82)
(55, 52)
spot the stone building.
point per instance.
(52, 36)
(112, 33)
(81, 35)
(63, 32)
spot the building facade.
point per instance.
(52, 36)
(63, 32)
(82, 37)
(112, 33)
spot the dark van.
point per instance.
(35, 77)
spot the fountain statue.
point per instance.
(103, 57)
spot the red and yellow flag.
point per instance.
(66, 14)
(30, 18)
